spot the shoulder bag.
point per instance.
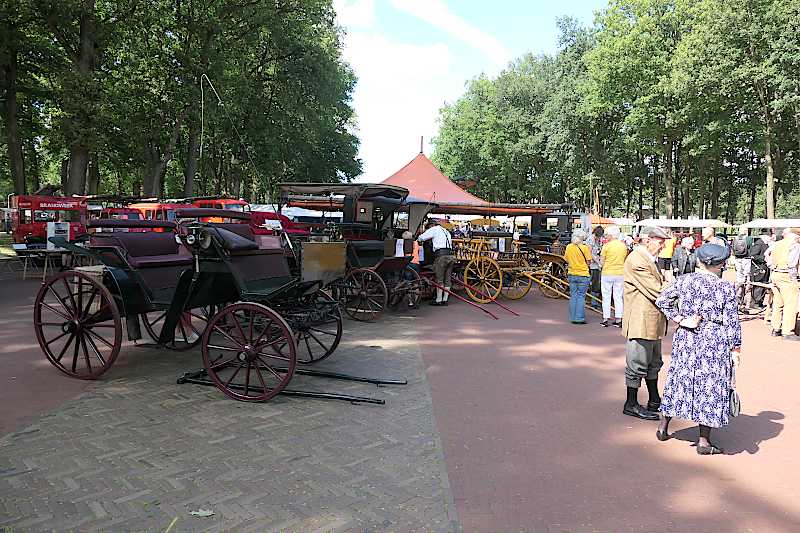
(734, 402)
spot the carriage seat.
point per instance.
(146, 250)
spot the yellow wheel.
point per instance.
(515, 284)
(484, 279)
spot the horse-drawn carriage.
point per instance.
(212, 284)
(376, 277)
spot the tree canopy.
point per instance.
(678, 107)
(116, 97)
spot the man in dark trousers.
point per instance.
(759, 271)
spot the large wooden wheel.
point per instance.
(516, 284)
(407, 290)
(189, 331)
(319, 332)
(249, 352)
(483, 279)
(549, 287)
(77, 324)
(364, 295)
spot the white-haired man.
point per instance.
(643, 324)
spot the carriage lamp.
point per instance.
(191, 239)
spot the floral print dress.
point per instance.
(698, 379)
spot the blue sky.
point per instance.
(412, 56)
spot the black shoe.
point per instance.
(604, 323)
(662, 436)
(413, 306)
(776, 333)
(709, 450)
(617, 323)
(578, 321)
(791, 338)
(653, 407)
(435, 303)
(639, 412)
(444, 303)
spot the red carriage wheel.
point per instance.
(364, 295)
(77, 324)
(249, 352)
(318, 338)
(189, 331)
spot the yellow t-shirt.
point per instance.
(577, 256)
(613, 256)
(669, 248)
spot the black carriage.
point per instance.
(378, 273)
(210, 284)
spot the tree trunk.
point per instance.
(715, 195)
(630, 192)
(668, 177)
(154, 179)
(687, 186)
(64, 172)
(654, 207)
(751, 211)
(701, 186)
(93, 180)
(192, 153)
(84, 65)
(15, 157)
(770, 194)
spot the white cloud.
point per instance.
(436, 13)
(400, 89)
(355, 13)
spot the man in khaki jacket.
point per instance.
(643, 324)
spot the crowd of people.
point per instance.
(664, 277)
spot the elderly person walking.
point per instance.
(705, 347)
(785, 263)
(612, 259)
(643, 324)
(578, 256)
(742, 262)
(683, 259)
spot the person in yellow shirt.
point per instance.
(665, 257)
(578, 256)
(612, 261)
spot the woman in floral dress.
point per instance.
(705, 346)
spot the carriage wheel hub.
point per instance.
(71, 327)
(248, 353)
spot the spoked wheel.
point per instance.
(407, 290)
(516, 284)
(364, 295)
(189, 331)
(319, 330)
(550, 287)
(77, 324)
(249, 352)
(483, 279)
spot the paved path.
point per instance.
(134, 451)
(529, 412)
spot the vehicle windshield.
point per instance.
(234, 207)
(170, 214)
(69, 215)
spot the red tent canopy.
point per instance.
(426, 182)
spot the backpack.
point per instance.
(740, 247)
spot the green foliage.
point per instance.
(121, 81)
(693, 105)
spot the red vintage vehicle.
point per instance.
(159, 210)
(219, 202)
(260, 225)
(121, 213)
(31, 213)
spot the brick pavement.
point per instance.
(135, 451)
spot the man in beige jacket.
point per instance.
(643, 324)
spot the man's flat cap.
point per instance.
(712, 254)
(654, 232)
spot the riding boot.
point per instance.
(632, 398)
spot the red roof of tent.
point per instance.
(426, 182)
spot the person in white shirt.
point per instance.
(443, 258)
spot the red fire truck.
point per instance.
(31, 213)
